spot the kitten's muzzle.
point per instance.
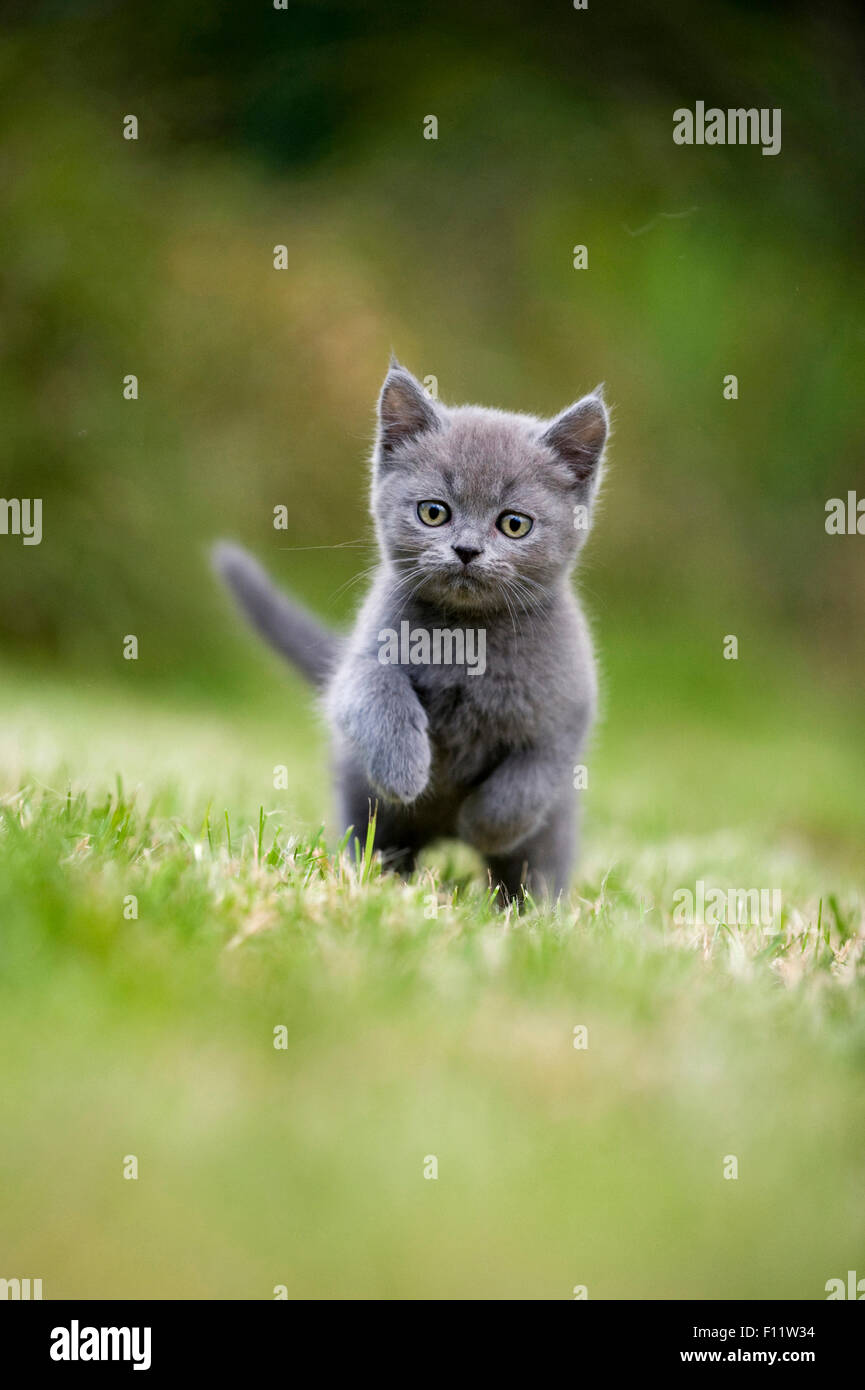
(466, 553)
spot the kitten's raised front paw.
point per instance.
(376, 709)
(399, 768)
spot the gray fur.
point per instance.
(488, 758)
(286, 626)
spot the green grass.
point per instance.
(419, 1022)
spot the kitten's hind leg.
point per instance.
(542, 864)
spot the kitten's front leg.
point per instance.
(512, 803)
(540, 865)
(376, 708)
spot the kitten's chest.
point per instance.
(475, 719)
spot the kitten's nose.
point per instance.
(466, 553)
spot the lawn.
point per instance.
(284, 1038)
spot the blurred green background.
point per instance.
(304, 127)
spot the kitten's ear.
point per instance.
(579, 434)
(404, 410)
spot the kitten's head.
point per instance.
(481, 510)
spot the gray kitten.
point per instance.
(480, 515)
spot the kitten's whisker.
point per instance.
(363, 574)
(523, 597)
(513, 616)
(532, 585)
(528, 583)
(530, 605)
(338, 545)
(355, 579)
(418, 572)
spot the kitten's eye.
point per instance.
(514, 524)
(433, 513)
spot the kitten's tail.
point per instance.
(285, 625)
